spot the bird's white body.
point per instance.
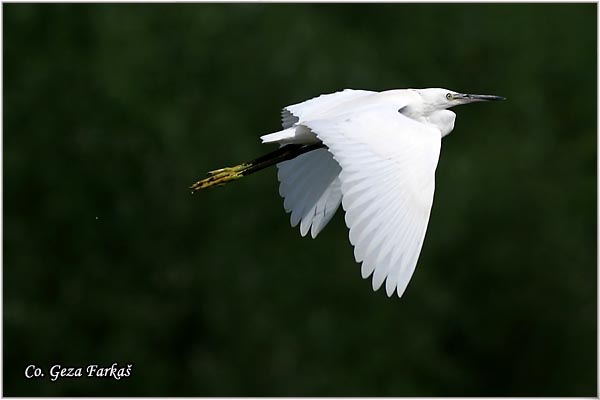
(379, 164)
(408, 102)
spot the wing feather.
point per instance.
(387, 181)
(318, 107)
(314, 185)
(309, 183)
(311, 190)
(326, 206)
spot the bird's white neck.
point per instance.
(441, 119)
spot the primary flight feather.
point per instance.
(375, 153)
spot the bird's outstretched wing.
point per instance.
(311, 190)
(319, 106)
(388, 164)
(309, 183)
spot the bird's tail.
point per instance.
(225, 175)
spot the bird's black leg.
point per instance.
(228, 174)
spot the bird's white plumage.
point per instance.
(324, 105)
(380, 161)
(387, 182)
(309, 183)
(311, 189)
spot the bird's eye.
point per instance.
(449, 96)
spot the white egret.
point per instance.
(375, 153)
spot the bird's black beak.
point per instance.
(481, 97)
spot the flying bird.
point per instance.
(375, 153)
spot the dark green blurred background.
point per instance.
(112, 111)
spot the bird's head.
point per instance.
(443, 98)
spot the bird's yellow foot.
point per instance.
(220, 177)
